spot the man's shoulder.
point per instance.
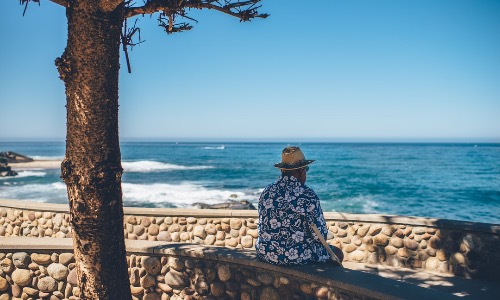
(310, 193)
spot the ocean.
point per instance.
(448, 181)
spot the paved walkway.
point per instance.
(453, 285)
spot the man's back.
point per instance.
(286, 208)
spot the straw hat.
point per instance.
(292, 158)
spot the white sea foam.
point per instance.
(35, 192)
(28, 173)
(40, 157)
(179, 195)
(215, 148)
(146, 166)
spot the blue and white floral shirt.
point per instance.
(286, 208)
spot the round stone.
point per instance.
(265, 278)
(269, 293)
(322, 293)
(349, 248)
(4, 285)
(457, 258)
(153, 229)
(397, 242)
(210, 228)
(145, 222)
(431, 263)
(136, 290)
(72, 277)
(224, 272)
(235, 223)
(164, 236)
(176, 237)
(21, 277)
(410, 244)
(419, 230)
(148, 281)
(306, 288)
(201, 286)
(66, 258)
(139, 230)
(57, 271)
(363, 230)
(403, 252)
(176, 279)
(218, 289)
(184, 236)
(6, 265)
(21, 259)
(374, 230)
(152, 265)
(381, 240)
(390, 250)
(168, 220)
(210, 240)
(132, 220)
(247, 241)
(57, 220)
(176, 263)
(435, 242)
(30, 291)
(357, 255)
(199, 231)
(441, 255)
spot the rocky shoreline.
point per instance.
(11, 157)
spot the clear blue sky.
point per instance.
(415, 69)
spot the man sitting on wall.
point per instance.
(287, 208)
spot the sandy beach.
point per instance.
(37, 164)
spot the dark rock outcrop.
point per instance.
(11, 157)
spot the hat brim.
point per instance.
(285, 166)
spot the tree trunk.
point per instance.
(92, 168)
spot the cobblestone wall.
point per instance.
(461, 251)
(31, 275)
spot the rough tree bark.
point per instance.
(92, 168)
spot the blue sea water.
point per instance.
(449, 181)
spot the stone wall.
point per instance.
(172, 274)
(461, 248)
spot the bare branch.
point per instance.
(244, 10)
